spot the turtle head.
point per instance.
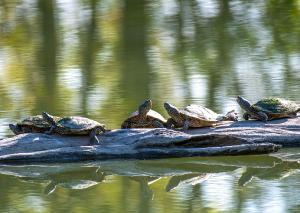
(244, 103)
(172, 110)
(49, 118)
(145, 107)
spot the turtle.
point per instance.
(268, 108)
(195, 116)
(31, 124)
(144, 117)
(75, 125)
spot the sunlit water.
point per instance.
(101, 59)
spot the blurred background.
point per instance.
(102, 58)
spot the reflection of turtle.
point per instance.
(31, 124)
(144, 117)
(268, 108)
(186, 179)
(73, 180)
(196, 116)
(75, 126)
(280, 170)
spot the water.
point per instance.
(101, 59)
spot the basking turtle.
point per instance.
(144, 117)
(268, 108)
(196, 116)
(75, 126)
(31, 124)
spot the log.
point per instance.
(230, 138)
(125, 143)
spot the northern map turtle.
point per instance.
(268, 108)
(196, 116)
(144, 117)
(31, 124)
(75, 125)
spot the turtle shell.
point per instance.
(34, 121)
(277, 107)
(197, 116)
(136, 121)
(202, 112)
(31, 124)
(76, 125)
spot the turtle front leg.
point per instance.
(50, 131)
(158, 124)
(186, 125)
(93, 135)
(170, 123)
(262, 116)
(246, 116)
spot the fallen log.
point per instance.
(243, 137)
(125, 143)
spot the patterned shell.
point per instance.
(35, 121)
(197, 116)
(77, 123)
(200, 112)
(150, 115)
(276, 106)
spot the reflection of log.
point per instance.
(134, 143)
(180, 171)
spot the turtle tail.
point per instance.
(15, 129)
(49, 118)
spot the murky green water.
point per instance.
(101, 59)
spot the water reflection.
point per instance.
(196, 178)
(47, 54)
